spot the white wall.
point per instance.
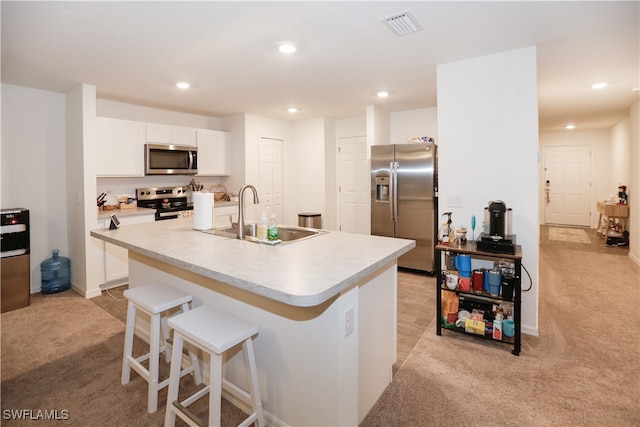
(82, 212)
(34, 168)
(409, 124)
(620, 155)
(488, 148)
(634, 183)
(378, 126)
(305, 164)
(601, 163)
(236, 126)
(351, 126)
(621, 166)
(121, 110)
(329, 218)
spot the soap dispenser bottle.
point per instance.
(262, 227)
(272, 231)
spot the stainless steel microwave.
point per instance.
(162, 159)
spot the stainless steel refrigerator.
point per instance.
(404, 198)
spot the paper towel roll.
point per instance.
(202, 210)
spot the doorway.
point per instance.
(353, 185)
(271, 172)
(567, 185)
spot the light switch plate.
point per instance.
(455, 201)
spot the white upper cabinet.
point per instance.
(165, 134)
(120, 147)
(214, 152)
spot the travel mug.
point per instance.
(495, 281)
(507, 287)
(463, 265)
(478, 280)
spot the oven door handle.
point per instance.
(166, 215)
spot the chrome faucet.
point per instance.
(241, 229)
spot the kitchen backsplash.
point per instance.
(122, 186)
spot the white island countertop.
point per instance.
(303, 274)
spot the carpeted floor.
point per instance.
(596, 242)
(63, 354)
(583, 369)
(62, 359)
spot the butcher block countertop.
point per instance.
(304, 274)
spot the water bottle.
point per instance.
(56, 273)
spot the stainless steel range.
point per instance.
(169, 202)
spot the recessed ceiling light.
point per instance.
(599, 85)
(570, 126)
(293, 109)
(183, 85)
(286, 47)
(382, 94)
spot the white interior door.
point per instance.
(353, 185)
(271, 177)
(567, 185)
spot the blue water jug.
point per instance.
(56, 273)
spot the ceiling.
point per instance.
(136, 51)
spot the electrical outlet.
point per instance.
(348, 322)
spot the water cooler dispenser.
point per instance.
(15, 268)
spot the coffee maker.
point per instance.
(499, 238)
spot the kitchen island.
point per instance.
(325, 308)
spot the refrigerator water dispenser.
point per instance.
(382, 188)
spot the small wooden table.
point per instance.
(611, 213)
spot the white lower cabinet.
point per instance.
(116, 263)
(116, 259)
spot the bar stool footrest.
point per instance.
(187, 415)
(236, 391)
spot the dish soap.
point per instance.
(272, 231)
(262, 227)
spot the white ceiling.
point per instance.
(135, 52)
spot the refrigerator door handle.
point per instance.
(391, 217)
(393, 189)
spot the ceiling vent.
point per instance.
(402, 23)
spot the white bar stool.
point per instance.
(154, 300)
(215, 332)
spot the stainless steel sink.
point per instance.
(288, 233)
